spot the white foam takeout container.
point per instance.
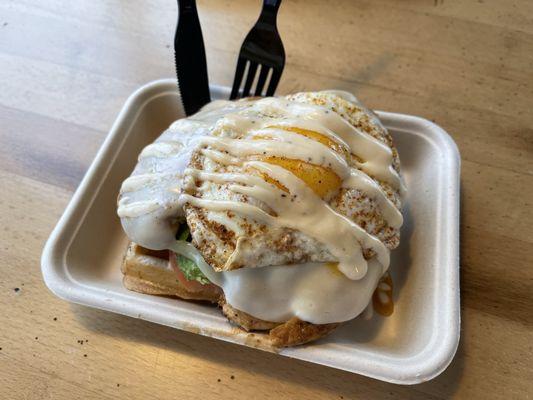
(81, 260)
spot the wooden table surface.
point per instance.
(66, 68)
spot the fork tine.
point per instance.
(252, 69)
(241, 65)
(262, 79)
(274, 80)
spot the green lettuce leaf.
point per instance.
(186, 265)
(191, 270)
(183, 233)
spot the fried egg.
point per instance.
(338, 150)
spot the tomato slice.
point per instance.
(192, 286)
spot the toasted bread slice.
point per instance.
(290, 333)
(148, 271)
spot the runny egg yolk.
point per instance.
(323, 181)
(382, 297)
(318, 137)
(334, 268)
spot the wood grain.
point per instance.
(66, 69)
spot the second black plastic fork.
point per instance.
(262, 49)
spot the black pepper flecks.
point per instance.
(232, 377)
(16, 289)
(218, 380)
(55, 318)
(85, 355)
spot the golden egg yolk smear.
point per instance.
(382, 297)
(317, 137)
(323, 181)
(334, 268)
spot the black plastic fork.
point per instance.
(262, 49)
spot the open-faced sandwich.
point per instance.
(281, 210)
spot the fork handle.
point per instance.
(270, 11)
(272, 4)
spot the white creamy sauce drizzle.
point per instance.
(313, 292)
(266, 137)
(309, 124)
(359, 180)
(219, 157)
(136, 208)
(301, 210)
(294, 146)
(137, 182)
(345, 95)
(148, 204)
(161, 149)
(377, 155)
(151, 202)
